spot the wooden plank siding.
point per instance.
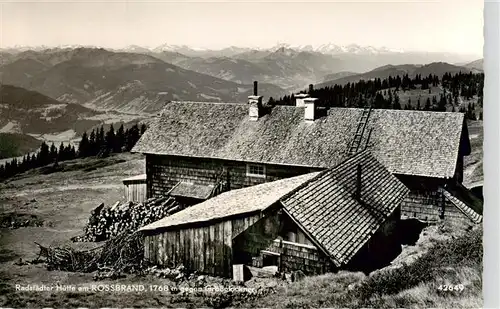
(164, 172)
(431, 207)
(206, 248)
(135, 191)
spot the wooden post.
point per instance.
(238, 273)
(358, 183)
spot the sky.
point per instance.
(426, 25)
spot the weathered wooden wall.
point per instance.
(424, 202)
(135, 191)
(431, 207)
(459, 172)
(295, 256)
(426, 206)
(258, 237)
(166, 171)
(292, 233)
(206, 248)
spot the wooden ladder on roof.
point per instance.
(356, 142)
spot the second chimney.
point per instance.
(299, 99)
(254, 104)
(358, 183)
(310, 109)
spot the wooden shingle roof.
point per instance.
(191, 190)
(136, 178)
(235, 202)
(327, 210)
(406, 142)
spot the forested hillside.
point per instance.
(97, 143)
(452, 92)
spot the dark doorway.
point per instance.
(410, 230)
(270, 259)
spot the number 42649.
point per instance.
(450, 288)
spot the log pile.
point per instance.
(106, 222)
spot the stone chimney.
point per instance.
(299, 99)
(358, 183)
(254, 104)
(310, 109)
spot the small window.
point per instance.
(256, 170)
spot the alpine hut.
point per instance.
(214, 147)
(342, 217)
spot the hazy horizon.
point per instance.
(428, 26)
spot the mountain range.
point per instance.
(288, 67)
(55, 94)
(327, 48)
(127, 82)
(291, 67)
(475, 65)
(140, 80)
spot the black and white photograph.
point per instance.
(231, 154)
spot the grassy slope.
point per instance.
(474, 163)
(15, 144)
(453, 260)
(423, 95)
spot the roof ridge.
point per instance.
(206, 102)
(397, 110)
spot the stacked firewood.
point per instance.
(106, 222)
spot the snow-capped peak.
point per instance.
(331, 48)
(177, 48)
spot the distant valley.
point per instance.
(27, 118)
